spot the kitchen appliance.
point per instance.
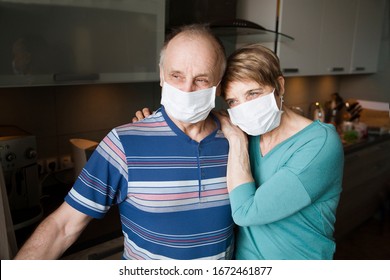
(18, 158)
(81, 151)
(242, 27)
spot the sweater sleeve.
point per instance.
(312, 172)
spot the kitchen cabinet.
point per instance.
(80, 42)
(366, 184)
(301, 19)
(336, 36)
(330, 37)
(367, 36)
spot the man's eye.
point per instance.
(201, 81)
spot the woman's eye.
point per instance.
(254, 93)
(231, 103)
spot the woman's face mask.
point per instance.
(257, 116)
(188, 107)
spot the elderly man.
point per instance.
(167, 173)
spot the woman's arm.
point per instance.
(311, 172)
(315, 168)
(239, 169)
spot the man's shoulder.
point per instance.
(154, 124)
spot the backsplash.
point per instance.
(302, 92)
(56, 114)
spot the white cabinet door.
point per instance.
(331, 37)
(300, 19)
(338, 23)
(367, 36)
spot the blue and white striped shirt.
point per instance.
(171, 190)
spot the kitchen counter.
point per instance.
(364, 143)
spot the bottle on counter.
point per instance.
(334, 112)
(318, 113)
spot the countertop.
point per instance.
(364, 143)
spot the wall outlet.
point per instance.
(51, 164)
(41, 166)
(66, 162)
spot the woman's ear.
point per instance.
(281, 85)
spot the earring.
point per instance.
(281, 101)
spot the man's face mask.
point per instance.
(188, 107)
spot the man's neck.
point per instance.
(197, 131)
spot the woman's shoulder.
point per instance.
(323, 134)
(324, 128)
(304, 130)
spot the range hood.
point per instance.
(241, 27)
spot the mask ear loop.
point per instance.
(216, 86)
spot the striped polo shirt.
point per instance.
(171, 190)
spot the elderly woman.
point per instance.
(284, 180)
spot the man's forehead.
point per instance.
(205, 70)
(190, 66)
(191, 55)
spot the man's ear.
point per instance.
(161, 75)
(218, 91)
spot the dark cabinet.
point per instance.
(365, 185)
(181, 12)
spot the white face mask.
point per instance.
(257, 116)
(188, 107)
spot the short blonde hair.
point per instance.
(253, 62)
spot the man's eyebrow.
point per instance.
(203, 76)
(209, 76)
(175, 71)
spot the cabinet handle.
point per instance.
(337, 69)
(75, 77)
(360, 68)
(290, 70)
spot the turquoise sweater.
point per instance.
(289, 212)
